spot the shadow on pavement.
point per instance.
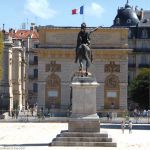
(28, 144)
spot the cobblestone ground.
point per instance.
(36, 136)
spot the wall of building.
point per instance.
(56, 60)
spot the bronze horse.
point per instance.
(84, 56)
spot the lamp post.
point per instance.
(1, 101)
(148, 115)
(149, 89)
(148, 112)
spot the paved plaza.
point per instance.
(36, 136)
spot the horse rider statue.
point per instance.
(83, 51)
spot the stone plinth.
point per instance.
(84, 117)
(86, 139)
(84, 125)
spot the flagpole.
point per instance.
(83, 14)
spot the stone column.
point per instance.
(84, 117)
(6, 82)
(41, 95)
(24, 76)
(17, 84)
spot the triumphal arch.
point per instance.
(56, 66)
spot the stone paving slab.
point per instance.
(37, 136)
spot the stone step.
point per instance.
(82, 134)
(86, 144)
(84, 139)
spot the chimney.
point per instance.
(3, 29)
(32, 26)
(10, 30)
(141, 14)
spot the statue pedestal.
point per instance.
(84, 117)
(84, 125)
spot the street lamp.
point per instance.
(1, 101)
(148, 112)
(149, 89)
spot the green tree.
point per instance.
(139, 88)
(1, 53)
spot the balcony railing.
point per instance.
(33, 62)
(131, 65)
(31, 92)
(144, 65)
(32, 77)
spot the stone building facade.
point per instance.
(11, 89)
(138, 23)
(28, 69)
(56, 54)
(14, 84)
(43, 75)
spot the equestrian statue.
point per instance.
(83, 51)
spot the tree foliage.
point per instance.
(1, 53)
(139, 88)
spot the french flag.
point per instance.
(78, 11)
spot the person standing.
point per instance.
(130, 126)
(122, 125)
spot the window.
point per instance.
(144, 34)
(35, 73)
(36, 45)
(35, 87)
(118, 21)
(131, 76)
(144, 59)
(128, 21)
(129, 33)
(36, 59)
(131, 59)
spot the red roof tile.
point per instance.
(24, 34)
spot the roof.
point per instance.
(24, 34)
(126, 16)
(145, 22)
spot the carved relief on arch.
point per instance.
(112, 82)
(53, 91)
(53, 81)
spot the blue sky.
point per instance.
(58, 12)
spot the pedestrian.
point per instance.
(107, 115)
(112, 105)
(130, 126)
(12, 113)
(122, 125)
(144, 113)
(31, 110)
(110, 115)
(17, 113)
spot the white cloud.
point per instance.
(40, 8)
(94, 10)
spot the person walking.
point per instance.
(122, 125)
(130, 126)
